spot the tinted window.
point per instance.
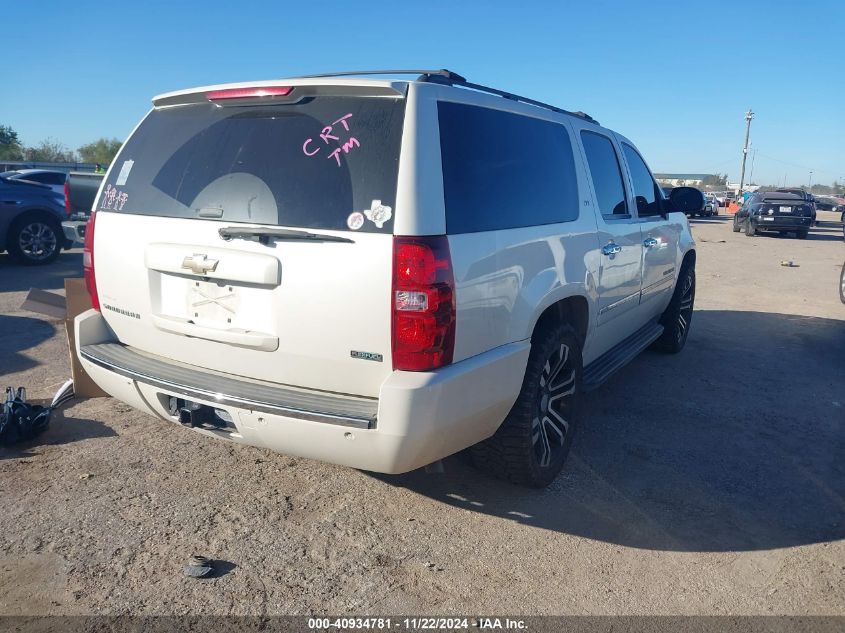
(52, 179)
(645, 189)
(309, 164)
(606, 173)
(504, 170)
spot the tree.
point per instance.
(715, 180)
(49, 151)
(822, 190)
(10, 145)
(101, 151)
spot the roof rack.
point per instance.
(449, 78)
(423, 74)
(450, 81)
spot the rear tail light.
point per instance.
(88, 263)
(423, 303)
(249, 93)
(67, 199)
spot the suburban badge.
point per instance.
(367, 356)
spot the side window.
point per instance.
(55, 179)
(503, 170)
(645, 189)
(606, 174)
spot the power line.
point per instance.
(786, 162)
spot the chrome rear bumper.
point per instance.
(197, 383)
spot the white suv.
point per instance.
(380, 272)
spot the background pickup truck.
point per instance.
(80, 190)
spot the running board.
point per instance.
(601, 369)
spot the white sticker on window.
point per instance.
(355, 220)
(378, 213)
(124, 172)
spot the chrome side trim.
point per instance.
(651, 289)
(615, 305)
(197, 392)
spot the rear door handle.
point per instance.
(649, 242)
(611, 249)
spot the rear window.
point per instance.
(503, 170)
(53, 179)
(323, 163)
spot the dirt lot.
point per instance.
(711, 482)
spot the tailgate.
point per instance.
(290, 313)
(311, 313)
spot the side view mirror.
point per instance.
(687, 200)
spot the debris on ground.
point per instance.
(21, 420)
(199, 567)
(789, 263)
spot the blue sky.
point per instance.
(674, 77)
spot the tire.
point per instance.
(750, 228)
(677, 317)
(736, 227)
(802, 235)
(531, 445)
(842, 284)
(34, 239)
(716, 210)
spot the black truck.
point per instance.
(80, 190)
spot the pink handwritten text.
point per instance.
(329, 137)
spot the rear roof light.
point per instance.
(249, 93)
(423, 303)
(88, 263)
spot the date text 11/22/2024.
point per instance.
(415, 624)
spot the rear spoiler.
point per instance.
(279, 92)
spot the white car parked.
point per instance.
(380, 272)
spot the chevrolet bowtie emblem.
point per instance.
(199, 264)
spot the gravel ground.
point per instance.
(710, 482)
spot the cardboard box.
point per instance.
(75, 301)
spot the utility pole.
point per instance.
(748, 116)
(810, 186)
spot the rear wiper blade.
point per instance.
(265, 234)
